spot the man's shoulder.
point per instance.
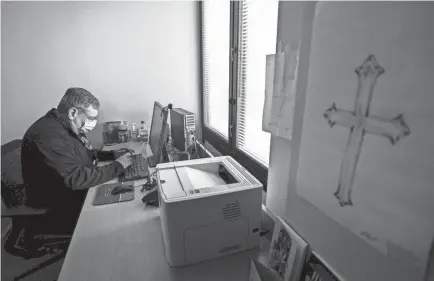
(46, 126)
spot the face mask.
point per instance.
(88, 126)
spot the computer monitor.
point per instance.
(158, 134)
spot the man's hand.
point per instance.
(118, 153)
(125, 160)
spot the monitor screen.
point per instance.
(157, 127)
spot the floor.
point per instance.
(12, 266)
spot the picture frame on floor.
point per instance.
(260, 272)
(315, 270)
(288, 252)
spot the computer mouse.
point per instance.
(121, 189)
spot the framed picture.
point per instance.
(315, 270)
(288, 252)
(260, 272)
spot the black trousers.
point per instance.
(61, 217)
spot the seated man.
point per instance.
(59, 164)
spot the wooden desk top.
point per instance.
(124, 242)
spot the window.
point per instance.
(236, 38)
(257, 39)
(215, 57)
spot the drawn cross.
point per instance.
(360, 122)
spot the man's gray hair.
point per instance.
(77, 97)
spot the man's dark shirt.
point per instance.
(58, 167)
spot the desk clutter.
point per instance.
(122, 131)
(174, 142)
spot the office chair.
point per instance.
(22, 239)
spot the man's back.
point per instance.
(43, 146)
(57, 160)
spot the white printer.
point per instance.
(209, 208)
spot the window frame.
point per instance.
(209, 134)
(258, 169)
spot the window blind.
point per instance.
(256, 39)
(216, 63)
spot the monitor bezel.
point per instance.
(158, 154)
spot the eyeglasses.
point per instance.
(91, 118)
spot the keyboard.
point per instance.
(151, 161)
(138, 170)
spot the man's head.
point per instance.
(80, 107)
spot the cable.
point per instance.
(151, 182)
(195, 149)
(152, 174)
(169, 106)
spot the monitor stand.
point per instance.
(151, 161)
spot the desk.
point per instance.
(123, 242)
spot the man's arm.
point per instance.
(104, 155)
(110, 155)
(60, 156)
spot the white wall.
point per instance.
(128, 54)
(344, 34)
(289, 31)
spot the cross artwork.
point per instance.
(360, 123)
